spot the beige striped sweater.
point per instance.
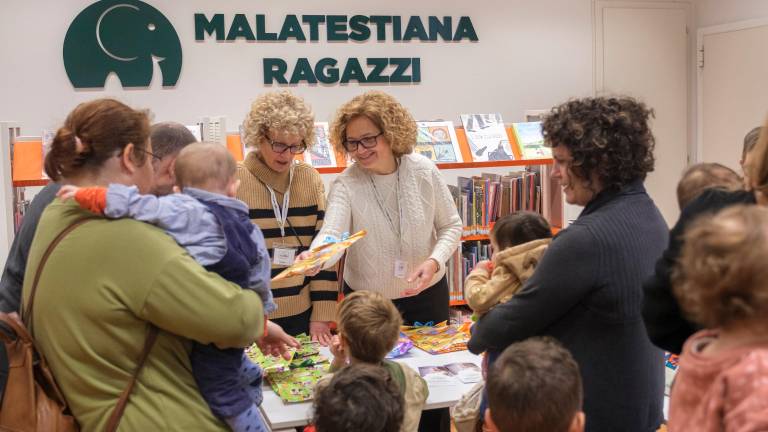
(305, 218)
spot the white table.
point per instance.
(280, 415)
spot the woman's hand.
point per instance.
(67, 192)
(320, 331)
(310, 271)
(422, 276)
(276, 342)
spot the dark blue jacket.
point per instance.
(586, 292)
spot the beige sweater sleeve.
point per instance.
(483, 291)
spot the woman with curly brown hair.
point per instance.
(286, 199)
(400, 198)
(721, 284)
(586, 291)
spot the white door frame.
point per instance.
(598, 83)
(597, 8)
(700, 34)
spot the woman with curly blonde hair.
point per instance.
(286, 199)
(400, 198)
(721, 283)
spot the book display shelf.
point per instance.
(480, 199)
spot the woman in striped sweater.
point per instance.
(286, 199)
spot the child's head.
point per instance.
(359, 397)
(705, 175)
(535, 385)
(721, 280)
(207, 166)
(518, 228)
(369, 325)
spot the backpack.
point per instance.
(33, 401)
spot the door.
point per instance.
(642, 50)
(732, 88)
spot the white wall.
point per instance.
(715, 12)
(531, 54)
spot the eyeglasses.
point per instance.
(367, 142)
(156, 157)
(281, 148)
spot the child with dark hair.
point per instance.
(369, 325)
(721, 285)
(535, 385)
(359, 397)
(706, 175)
(518, 241)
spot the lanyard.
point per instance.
(281, 215)
(382, 206)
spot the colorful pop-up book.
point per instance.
(293, 379)
(319, 256)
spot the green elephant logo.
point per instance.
(121, 36)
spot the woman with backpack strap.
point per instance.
(107, 283)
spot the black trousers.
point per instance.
(295, 324)
(429, 305)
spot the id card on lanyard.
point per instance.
(283, 252)
(400, 269)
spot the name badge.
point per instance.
(400, 268)
(283, 255)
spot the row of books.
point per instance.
(483, 199)
(461, 263)
(486, 134)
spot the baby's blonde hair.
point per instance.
(204, 166)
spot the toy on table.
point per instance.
(440, 338)
(403, 345)
(293, 379)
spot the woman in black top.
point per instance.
(586, 291)
(664, 321)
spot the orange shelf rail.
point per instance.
(457, 303)
(28, 159)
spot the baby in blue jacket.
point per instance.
(204, 218)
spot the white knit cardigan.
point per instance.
(430, 227)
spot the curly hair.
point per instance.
(608, 138)
(385, 112)
(720, 278)
(279, 111)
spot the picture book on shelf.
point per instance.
(531, 140)
(487, 137)
(320, 255)
(321, 154)
(437, 141)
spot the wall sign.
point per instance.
(122, 36)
